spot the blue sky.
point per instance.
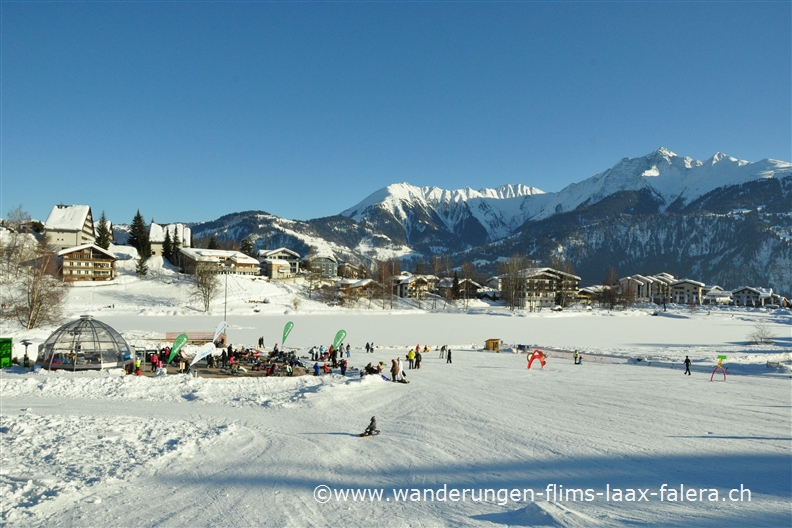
(189, 111)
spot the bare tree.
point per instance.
(610, 294)
(206, 284)
(37, 295)
(512, 282)
(468, 274)
(761, 335)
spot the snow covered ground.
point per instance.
(103, 449)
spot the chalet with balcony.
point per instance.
(86, 263)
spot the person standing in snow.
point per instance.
(418, 358)
(442, 351)
(576, 356)
(400, 370)
(367, 348)
(687, 366)
(448, 355)
(394, 370)
(343, 367)
(410, 359)
(348, 349)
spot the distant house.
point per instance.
(179, 232)
(753, 296)
(87, 262)
(415, 286)
(220, 261)
(69, 226)
(279, 256)
(358, 287)
(687, 291)
(350, 271)
(717, 296)
(324, 264)
(276, 268)
(465, 287)
(539, 287)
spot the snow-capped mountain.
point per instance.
(489, 215)
(722, 219)
(460, 212)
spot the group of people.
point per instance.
(332, 354)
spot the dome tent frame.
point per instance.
(85, 344)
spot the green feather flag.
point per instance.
(177, 346)
(339, 338)
(286, 330)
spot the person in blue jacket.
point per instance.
(316, 369)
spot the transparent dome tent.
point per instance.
(85, 344)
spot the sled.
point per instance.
(364, 435)
(386, 378)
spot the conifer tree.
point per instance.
(138, 237)
(141, 269)
(167, 246)
(213, 243)
(175, 254)
(103, 235)
(246, 247)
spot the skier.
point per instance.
(372, 427)
(687, 366)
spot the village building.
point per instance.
(69, 226)
(179, 232)
(273, 259)
(540, 287)
(687, 291)
(716, 295)
(413, 286)
(219, 261)
(466, 288)
(86, 263)
(348, 270)
(276, 269)
(754, 296)
(324, 265)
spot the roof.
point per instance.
(277, 262)
(321, 255)
(67, 217)
(534, 272)
(688, 281)
(218, 255)
(80, 248)
(264, 253)
(157, 232)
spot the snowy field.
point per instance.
(103, 449)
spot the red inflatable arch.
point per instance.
(537, 354)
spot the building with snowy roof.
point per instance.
(179, 232)
(539, 287)
(754, 296)
(325, 264)
(687, 291)
(88, 262)
(219, 261)
(85, 344)
(69, 226)
(278, 256)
